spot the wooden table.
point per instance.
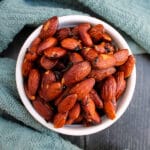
(132, 130)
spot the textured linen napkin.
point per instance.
(18, 130)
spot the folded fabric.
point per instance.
(26, 133)
(131, 18)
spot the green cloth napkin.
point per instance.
(18, 130)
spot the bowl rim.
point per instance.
(77, 130)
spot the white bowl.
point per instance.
(77, 130)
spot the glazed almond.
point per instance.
(83, 32)
(54, 52)
(121, 57)
(104, 61)
(71, 44)
(60, 119)
(47, 63)
(33, 81)
(67, 103)
(83, 88)
(49, 27)
(47, 43)
(76, 73)
(108, 90)
(43, 109)
(128, 66)
(100, 74)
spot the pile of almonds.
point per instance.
(75, 75)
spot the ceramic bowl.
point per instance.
(77, 130)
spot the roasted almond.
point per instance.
(26, 67)
(121, 84)
(71, 44)
(49, 27)
(47, 78)
(106, 37)
(96, 99)
(67, 103)
(76, 73)
(43, 109)
(75, 57)
(128, 66)
(60, 119)
(96, 32)
(100, 48)
(108, 90)
(100, 74)
(104, 61)
(90, 111)
(75, 31)
(51, 91)
(121, 57)
(63, 33)
(47, 43)
(28, 94)
(83, 88)
(47, 63)
(62, 96)
(75, 111)
(83, 32)
(89, 54)
(54, 52)
(33, 81)
(109, 109)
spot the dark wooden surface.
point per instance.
(132, 130)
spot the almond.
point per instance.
(26, 67)
(47, 78)
(71, 44)
(121, 57)
(49, 27)
(90, 111)
(43, 109)
(109, 110)
(79, 119)
(108, 90)
(54, 52)
(76, 73)
(63, 33)
(67, 103)
(60, 119)
(47, 43)
(128, 66)
(100, 74)
(104, 61)
(82, 88)
(62, 96)
(75, 31)
(96, 99)
(47, 63)
(73, 114)
(96, 32)
(121, 84)
(100, 48)
(106, 37)
(75, 111)
(75, 57)
(28, 94)
(89, 54)
(83, 32)
(34, 45)
(33, 81)
(51, 91)
(31, 56)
